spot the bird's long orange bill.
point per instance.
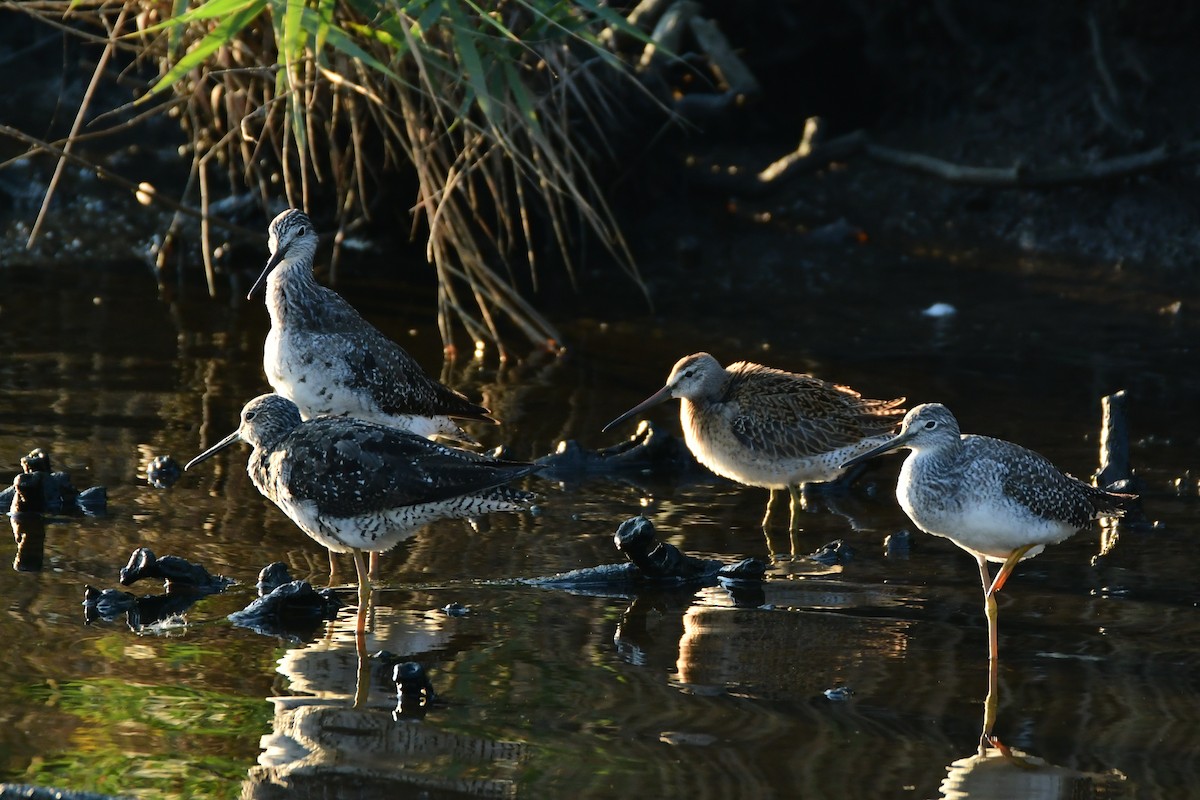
(216, 448)
(660, 396)
(272, 263)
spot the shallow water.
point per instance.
(663, 694)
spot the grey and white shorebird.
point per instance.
(356, 486)
(765, 427)
(995, 499)
(323, 356)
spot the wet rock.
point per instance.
(175, 572)
(292, 611)
(648, 450)
(836, 553)
(163, 472)
(839, 694)
(272, 576)
(651, 563)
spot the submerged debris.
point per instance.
(648, 450)
(291, 610)
(414, 691)
(651, 563)
(163, 472)
(835, 553)
(37, 489)
(272, 576)
(175, 572)
(141, 613)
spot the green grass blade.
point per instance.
(220, 36)
(175, 34)
(476, 75)
(344, 43)
(210, 10)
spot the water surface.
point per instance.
(666, 694)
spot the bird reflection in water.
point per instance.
(999, 772)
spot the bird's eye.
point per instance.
(689, 373)
(251, 415)
(301, 230)
(930, 425)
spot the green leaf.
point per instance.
(210, 10)
(344, 43)
(175, 34)
(325, 17)
(521, 97)
(220, 36)
(476, 76)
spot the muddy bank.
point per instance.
(1098, 96)
(1036, 89)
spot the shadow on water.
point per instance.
(864, 679)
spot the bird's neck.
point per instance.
(293, 295)
(936, 459)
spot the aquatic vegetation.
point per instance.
(497, 115)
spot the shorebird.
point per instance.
(324, 357)
(995, 499)
(762, 426)
(356, 486)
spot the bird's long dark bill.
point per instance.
(887, 447)
(216, 448)
(653, 400)
(272, 262)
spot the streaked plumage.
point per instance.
(762, 426)
(322, 355)
(354, 485)
(995, 499)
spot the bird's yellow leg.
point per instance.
(362, 679)
(798, 504)
(364, 591)
(333, 567)
(989, 607)
(770, 504)
(373, 571)
(990, 704)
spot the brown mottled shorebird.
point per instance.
(353, 485)
(762, 426)
(995, 499)
(324, 357)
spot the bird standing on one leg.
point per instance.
(994, 499)
(355, 486)
(765, 427)
(324, 357)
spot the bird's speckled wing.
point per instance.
(1030, 479)
(350, 469)
(372, 358)
(785, 414)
